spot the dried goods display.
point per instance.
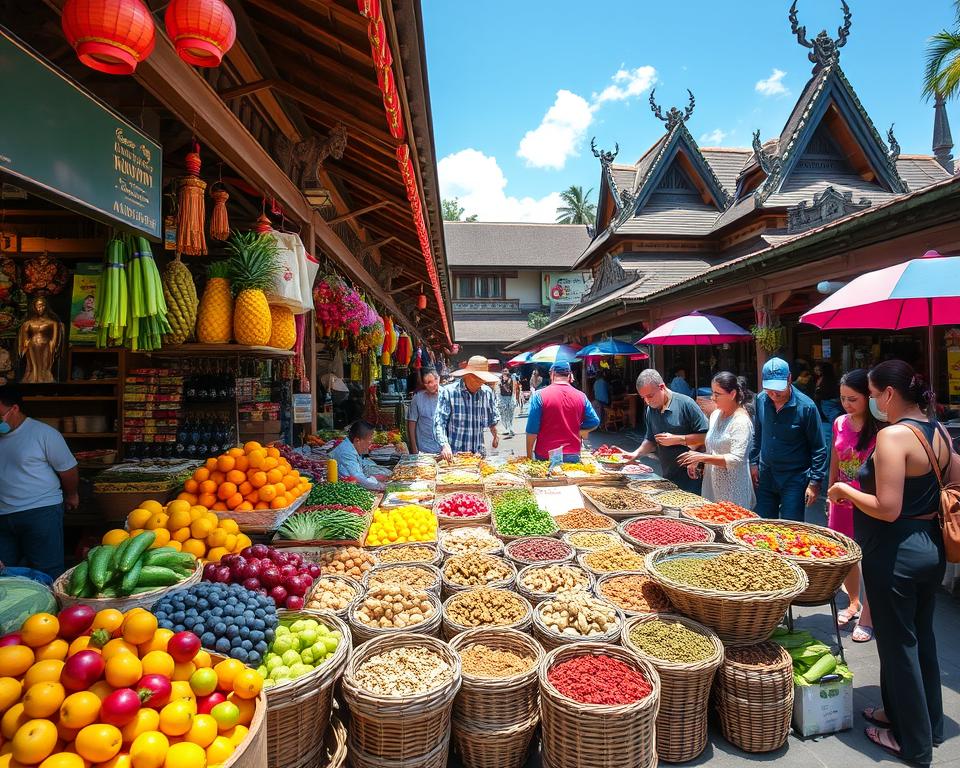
(517, 513)
(578, 615)
(786, 539)
(590, 541)
(662, 531)
(393, 606)
(621, 500)
(460, 541)
(579, 518)
(485, 608)
(417, 577)
(535, 470)
(458, 476)
(554, 579)
(680, 499)
(332, 594)
(479, 660)
(461, 459)
(652, 486)
(346, 561)
(399, 525)
(599, 679)
(613, 559)
(634, 592)
(463, 505)
(539, 549)
(578, 469)
(415, 472)
(719, 513)
(424, 498)
(476, 570)
(403, 672)
(406, 554)
(747, 571)
(671, 641)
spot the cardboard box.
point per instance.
(823, 708)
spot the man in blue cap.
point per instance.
(560, 416)
(789, 456)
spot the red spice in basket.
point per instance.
(599, 680)
(720, 512)
(463, 505)
(661, 531)
(536, 550)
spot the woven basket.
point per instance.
(435, 758)
(535, 598)
(335, 745)
(410, 730)
(717, 528)
(318, 555)
(435, 559)
(495, 548)
(757, 684)
(520, 562)
(452, 587)
(582, 562)
(262, 521)
(451, 628)
(739, 618)
(612, 536)
(506, 538)
(362, 633)
(754, 726)
(380, 572)
(306, 699)
(550, 639)
(825, 575)
(666, 607)
(502, 748)
(252, 753)
(342, 612)
(643, 547)
(122, 604)
(579, 735)
(684, 692)
(459, 522)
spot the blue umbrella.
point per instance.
(609, 347)
(522, 359)
(555, 353)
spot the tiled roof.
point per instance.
(543, 246)
(920, 171)
(497, 331)
(666, 218)
(727, 162)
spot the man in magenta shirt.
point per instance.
(560, 416)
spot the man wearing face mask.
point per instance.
(789, 455)
(39, 478)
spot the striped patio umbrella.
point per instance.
(555, 353)
(522, 359)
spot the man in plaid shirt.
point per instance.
(465, 409)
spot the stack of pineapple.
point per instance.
(234, 302)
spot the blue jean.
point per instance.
(781, 494)
(33, 538)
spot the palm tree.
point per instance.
(577, 208)
(942, 77)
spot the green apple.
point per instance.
(308, 637)
(281, 630)
(331, 642)
(282, 644)
(298, 670)
(227, 715)
(203, 682)
(307, 656)
(297, 627)
(273, 661)
(280, 673)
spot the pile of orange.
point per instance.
(244, 479)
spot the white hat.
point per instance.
(478, 366)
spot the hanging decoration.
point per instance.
(110, 36)
(44, 276)
(422, 301)
(340, 309)
(299, 366)
(219, 221)
(191, 208)
(404, 350)
(418, 360)
(262, 224)
(201, 30)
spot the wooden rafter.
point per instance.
(359, 212)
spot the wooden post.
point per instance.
(310, 342)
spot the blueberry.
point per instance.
(161, 615)
(233, 631)
(259, 625)
(246, 645)
(203, 604)
(208, 639)
(261, 647)
(198, 627)
(268, 635)
(244, 631)
(220, 629)
(256, 635)
(178, 628)
(259, 613)
(222, 645)
(177, 617)
(239, 654)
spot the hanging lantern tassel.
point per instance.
(404, 350)
(219, 222)
(191, 213)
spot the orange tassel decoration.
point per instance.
(191, 213)
(219, 223)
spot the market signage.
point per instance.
(65, 144)
(564, 287)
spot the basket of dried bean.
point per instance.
(753, 695)
(463, 541)
(485, 607)
(679, 499)
(825, 555)
(462, 572)
(591, 541)
(352, 562)
(454, 510)
(400, 691)
(646, 534)
(577, 617)
(332, 593)
(414, 575)
(651, 486)
(497, 710)
(538, 549)
(686, 655)
(741, 594)
(392, 608)
(541, 582)
(583, 519)
(716, 515)
(428, 554)
(614, 559)
(633, 592)
(517, 514)
(619, 503)
(598, 706)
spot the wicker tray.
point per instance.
(739, 618)
(684, 692)
(582, 562)
(452, 587)
(281, 543)
(550, 639)
(436, 558)
(506, 538)
(362, 633)
(535, 598)
(611, 535)
(496, 545)
(618, 514)
(122, 604)
(665, 607)
(451, 628)
(651, 487)
(718, 529)
(461, 522)
(252, 753)
(380, 570)
(342, 612)
(521, 562)
(261, 521)
(576, 735)
(826, 575)
(643, 547)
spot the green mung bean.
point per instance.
(731, 572)
(671, 641)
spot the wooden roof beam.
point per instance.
(359, 212)
(246, 89)
(335, 113)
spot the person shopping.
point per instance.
(508, 398)
(896, 524)
(349, 456)
(422, 413)
(560, 417)
(854, 435)
(466, 409)
(725, 458)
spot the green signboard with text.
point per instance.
(63, 143)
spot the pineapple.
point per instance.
(215, 316)
(254, 264)
(284, 330)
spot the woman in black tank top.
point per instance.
(895, 523)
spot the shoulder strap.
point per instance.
(931, 456)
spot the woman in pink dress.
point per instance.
(854, 437)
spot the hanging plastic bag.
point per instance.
(286, 289)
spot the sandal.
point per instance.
(870, 715)
(862, 634)
(846, 616)
(883, 738)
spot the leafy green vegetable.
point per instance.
(517, 514)
(348, 494)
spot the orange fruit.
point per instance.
(246, 707)
(273, 452)
(289, 482)
(101, 689)
(245, 506)
(207, 486)
(162, 538)
(177, 717)
(34, 741)
(117, 646)
(227, 670)
(158, 663)
(251, 445)
(258, 479)
(214, 554)
(189, 497)
(181, 534)
(253, 497)
(203, 730)
(12, 719)
(152, 505)
(64, 760)
(81, 643)
(191, 486)
(235, 452)
(242, 463)
(200, 529)
(175, 545)
(220, 750)
(256, 458)
(146, 720)
(182, 670)
(149, 750)
(207, 500)
(247, 683)
(39, 629)
(226, 490)
(15, 660)
(236, 477)
(158, 520)
(220, 507)
(279, 503)
(10, 691)
(80, 709)
(234, 501)
(124, 670)
(269, 463)
(43, 699)
(274, 476)
(230, 526)
(225, 463)
(218, 476)
(231, 543)
(201, 474)
(210, 465)
(109, 619)
(268, 493)
(216, 537)
(186, 754)
(202, 659)
(114, 536)
(43, 672)
(66, 734)
(195, 547)
(98, 742)
(244, 487)
(138, 518)
(138, 626)
(243, 541)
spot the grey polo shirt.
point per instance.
(681, 416)
(422, 409)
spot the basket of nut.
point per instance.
(463, 541)
(633, 592)
(619, 503)
(591, 541)
(532, 550)
(576, 618)
(415, 575)
(541, 582)
(485, 607)
(583, 519)
(462, 572)
(428, 554)
(614, 559)
(394, 608)
(352, 562)
(334, 594)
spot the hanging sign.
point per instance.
(564, 287)
(302, 409)
(63, 143)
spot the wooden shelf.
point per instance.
(189, 350)
(68, 398)
(85, 435)
(93, 382)
(101, 350)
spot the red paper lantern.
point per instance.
(202, 30)
(111, 36)
(421, 301)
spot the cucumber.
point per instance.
(168, 558)
(108, 592)
(140, 544)
(118, 552)
(823, 666)
(131, 577)
(78, 579)
(100, 565)
(157, 576)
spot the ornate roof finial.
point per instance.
(824, 49)
(942, 140)
(605, 157)
(769, 165)
(674, 116)
(894, 152)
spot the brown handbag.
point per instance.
(949, 513)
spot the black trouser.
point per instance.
(901, 571)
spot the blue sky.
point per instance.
(519, 88)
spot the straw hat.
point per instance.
(477, 366)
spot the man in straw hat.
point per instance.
(466, 408)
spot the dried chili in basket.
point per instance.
(599, 680)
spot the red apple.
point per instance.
(206, 703)
(82, 670)
(120, 707)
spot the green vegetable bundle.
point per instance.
(812, 660)
(516, 513)
(346, 494)
(129, 568)
(325, 524)
(110, 310)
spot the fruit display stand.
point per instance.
(122, 604)
(262, 522)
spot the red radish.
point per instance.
(82, 670)
(154, 691)
(183, 646)
(120, 707)
(206, 703)
(75, 620)
(294, 603)
(12, 639)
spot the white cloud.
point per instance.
(773, 85)
(559, 133)
(477, 181)
(626, 84)
(716, 136)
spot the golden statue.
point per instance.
(38, 342)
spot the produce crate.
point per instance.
(262, 521)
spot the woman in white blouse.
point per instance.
(725, 458)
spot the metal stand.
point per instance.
(832, 602)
